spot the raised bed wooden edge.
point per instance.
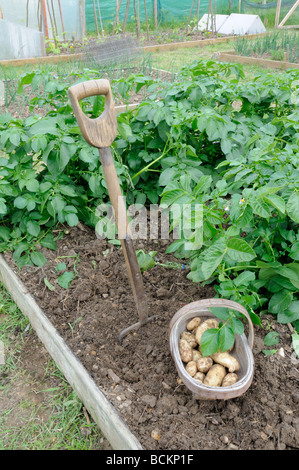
(154, 48)
(275, 64)
(104, 414)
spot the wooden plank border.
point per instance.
(275, 64)
(99, 407)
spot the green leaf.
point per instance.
(32, 185)
(237, 326)
(48, 284)
(60, 267)
(65, 279)
(20, 202)
(146, 261)
(5, 233)
(271, 338)
(295, 343)
(239, 250)
(244, 278)
(203, 185)
(3, 207)
(245, 217)
(210, 342)
(33, 228)
(280, 301)
(213, 257)
(227, 337)
(166, 176)
(220, 312)
(293, 206)
(269, 352)
(38, 258)
(289, 315)
(21, 247)
(67, 190)
(277, 202)
(294, 253)
(260, 208)
(71, 219)
(48, 242)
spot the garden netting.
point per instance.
(168, 10)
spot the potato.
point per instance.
(204, 364)
(194, 323)
(206, 325)
(199, 376)
(191, 368)
(230, 379)
(190, 338)
(196, 355)
(226, 360)
(185, 350)
(215, 376)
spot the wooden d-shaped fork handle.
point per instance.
(102, 131)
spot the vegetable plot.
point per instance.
(211, 138)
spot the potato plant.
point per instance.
(210, 138)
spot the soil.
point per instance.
(139, 376)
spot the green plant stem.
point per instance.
(155, 161)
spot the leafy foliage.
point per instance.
(210, 138)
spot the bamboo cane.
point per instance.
(126, 16)
(189, 17)
(45, 18)
(54, 18)
(137, 20)
(52, 24)
(197, 12)
(61, 19)
(116, 21)
(156, 13)
(146, 20)
(95, 18)
(100, 16)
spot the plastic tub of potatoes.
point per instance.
(230, 378)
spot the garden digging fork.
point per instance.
(100, 133)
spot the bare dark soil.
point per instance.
(139, 376)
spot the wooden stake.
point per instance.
(146, 20)
(100, 16)
(197, 11)
(54, 19)
(156, 13)
(52, 25)
(61, 19)
(116, 21)
(137, 19)
(45, 18)
(289, 14)
(277, 15)
(189, 17)
(83, 19)
(27, 13)
(95, 18)
(126, 16)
